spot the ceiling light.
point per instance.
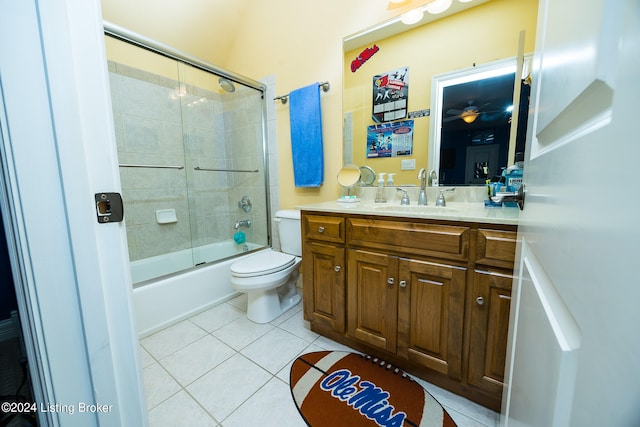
(394, 4)
(412, 16)
(465, 1)
(438, 6)
(469, 116)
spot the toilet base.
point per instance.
(265, 306)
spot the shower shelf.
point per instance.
(198, 168)
(127, 165)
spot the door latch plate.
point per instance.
(109, 207)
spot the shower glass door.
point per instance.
(191, 154)
(224, 154)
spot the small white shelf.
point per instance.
(166, 216)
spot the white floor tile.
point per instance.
(217, 317)
(158, 385)
(299, 327)
(171, 339)
(227, 386)
(274, 349)
(194, 360)
(329, 344)
(180, 410)
(221, 385)
(241, 332)
(271, 406)
(145, 357)
(287, 314)
(239, 302)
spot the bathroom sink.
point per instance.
(414, 209)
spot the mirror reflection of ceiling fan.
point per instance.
(469, 113)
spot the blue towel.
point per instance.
(306, 136)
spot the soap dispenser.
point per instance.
(390, 179)
(380, 192)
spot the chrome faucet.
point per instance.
(242, 223)
(422, 197)
(433, 179)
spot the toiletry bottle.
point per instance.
(380, 192)
(390, 179)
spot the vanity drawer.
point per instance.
(496, 247)
(443, 241)
(324, 228)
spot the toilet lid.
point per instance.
(265, 262)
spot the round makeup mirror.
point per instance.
(348, 176)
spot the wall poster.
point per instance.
(390, 139)
(390, 94)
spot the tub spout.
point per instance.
(242, 223)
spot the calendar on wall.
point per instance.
(390, 95)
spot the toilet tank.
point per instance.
(289, 231)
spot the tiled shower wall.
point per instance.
(160, 121)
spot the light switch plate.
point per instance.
(407, 165)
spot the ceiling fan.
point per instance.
(469, 113)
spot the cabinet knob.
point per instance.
(321, 229)
(480, 300)
(403, 283)
(390, 280)
(337, 268)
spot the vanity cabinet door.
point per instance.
(323, 275)
(489, 311)
(430, 315)
(372, 295)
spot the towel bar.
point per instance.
(198, 168)
(284, 98)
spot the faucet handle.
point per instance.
(440, 201)
(405, 196)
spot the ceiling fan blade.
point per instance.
(448, 119)
(454, 111)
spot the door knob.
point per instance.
(390, 280)
(480, 300)
(336, 268)
(403, 283)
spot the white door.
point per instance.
(574, 343)
(57, 150)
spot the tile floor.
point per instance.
(217, 368)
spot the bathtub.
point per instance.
(176, 296)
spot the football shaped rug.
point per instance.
(336, 388)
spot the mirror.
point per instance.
(348, 176)
(471, 136)
(453, 43)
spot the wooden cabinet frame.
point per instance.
(407, 290)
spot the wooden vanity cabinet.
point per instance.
(488, 306)
(429, 296)
(323, 268)
(431, 315)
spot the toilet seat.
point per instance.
(262, 263)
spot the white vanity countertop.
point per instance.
(467, 212)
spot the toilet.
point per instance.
(269, 277)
